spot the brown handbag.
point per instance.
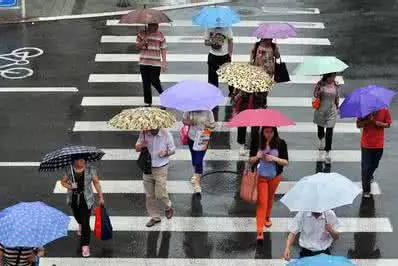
(248, 187)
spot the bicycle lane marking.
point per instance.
(12, 62)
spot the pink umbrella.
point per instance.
(275, 31)
(260, 118)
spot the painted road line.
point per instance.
(215, 155)
(199, 39)
(180, 77)
(19, 164)
(139, 101)
(232, 224)
(233, 155)
(189, 262)
(241, 58)
(300, 127)
(176, 187)
(118, 13)
(277, 10)
(38, 89)
(242, 23)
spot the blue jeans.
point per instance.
(370, 159)
(197, 158)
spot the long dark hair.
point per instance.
(275, 141)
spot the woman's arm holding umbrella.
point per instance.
(97, 186)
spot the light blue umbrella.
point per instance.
(316, 66)
(31, 224)
(322, 260)
(216, 16)
(321, 192)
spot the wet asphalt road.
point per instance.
(362, 33)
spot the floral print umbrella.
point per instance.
(143, 118)
(245, 77)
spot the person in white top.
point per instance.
(317, 233)
(198, 121)
(221, 45)
(160, 145)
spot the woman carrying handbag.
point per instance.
(200, 124)
(326, 105)
(271, 158)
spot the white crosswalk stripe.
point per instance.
(180, 77)
(243, 23)
(233, 224)
(176, 187)
(139, 101)
(37, 89)
(233, 155)
(199, 39)
(242, 58)
(88, 126)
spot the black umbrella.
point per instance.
(64, 157)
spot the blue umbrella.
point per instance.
(322, 260)
(31, 224)
(192, 95)
(216, 16)
(364, 101)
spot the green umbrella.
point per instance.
(315, 66)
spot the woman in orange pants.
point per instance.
(272, 157)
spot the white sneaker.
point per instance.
(243, 151)
(328, 160)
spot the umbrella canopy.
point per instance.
(192, 95)
(260, 117)
(315, 66)
(31, 224)
(364, 101)
(143, 118)
(216, 16)
(145, 16)
(322, 260)
(64, 157)
(321, 192)
(245, 77)
(275, 31)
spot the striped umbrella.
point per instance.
(63, 157)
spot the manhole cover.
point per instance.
(247, 11)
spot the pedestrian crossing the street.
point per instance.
(231, 217)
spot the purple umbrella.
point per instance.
(192, 95)
(275, 31)
(364, 101)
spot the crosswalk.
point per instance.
(223, 219)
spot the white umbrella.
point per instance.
(321, 192)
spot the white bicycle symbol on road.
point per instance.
(17, 58)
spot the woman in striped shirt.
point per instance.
(152, 45)
(19, 256)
